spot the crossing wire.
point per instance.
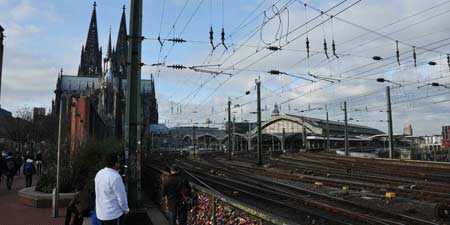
(270, 53)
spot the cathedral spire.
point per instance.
(91, 60)
(152, 86)
(121, 50)
(108, 50)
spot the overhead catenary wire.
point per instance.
(402, 57)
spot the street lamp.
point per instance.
(389, 115)
(435, 84)
(381, 80)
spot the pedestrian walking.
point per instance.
(11, 169)
(38, 160)
(19, 163)
(1, 167)
(111, 202)
(29, 170)
(178, 193)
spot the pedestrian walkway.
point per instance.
(14, 213)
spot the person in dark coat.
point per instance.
(11, 169)
(1, 167)
(80, 206)
(29, 170)
(178, 193)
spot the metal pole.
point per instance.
(58, 157)
(258, 109)
(1, 59)
(346, 131)
(234, 135)
(153, 145)
(284, 141)
(249, 139)
(194, 141)
(133, 106)
(273, 146)
(389, 118)
(328, 134)
(229, 130)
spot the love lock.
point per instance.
(442, 210)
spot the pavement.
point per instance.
(14, 213)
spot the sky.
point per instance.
(46, 35)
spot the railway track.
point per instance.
(381, 168)
(337, 210)
(437, 193)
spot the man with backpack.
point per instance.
(29, 170)
(11, 169)
(178, 192)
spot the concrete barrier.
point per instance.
(31, 197)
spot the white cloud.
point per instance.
(24, 10)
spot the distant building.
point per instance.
(4, 113)
(407, 130)
(280, 132)
(446, 137)
(432, 143)
(38, 113)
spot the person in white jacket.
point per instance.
(110, 197)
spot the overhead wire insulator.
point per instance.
(211, 38)
(414, 56)
(274, 72)
(177, 40)
(377, 58)
(274, 48)
(159, 40)
(333, 46)
(177, 67)
(398, 53)
(307, 47)
(325, 49)
(222, 34)
(448, 60)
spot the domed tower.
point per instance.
(275, 111)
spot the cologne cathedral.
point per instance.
(93, 101)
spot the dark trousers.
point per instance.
(73, 210)
(118, 221)
(9, 181)
(28, 180)
(180, 213)
(39, 168)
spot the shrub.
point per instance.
(82, 167)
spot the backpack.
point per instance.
(87, 203)
(11, 165)
(28, 167)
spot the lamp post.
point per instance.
(389, 115)
(2, 36)
(56, 190)
(258, 107)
